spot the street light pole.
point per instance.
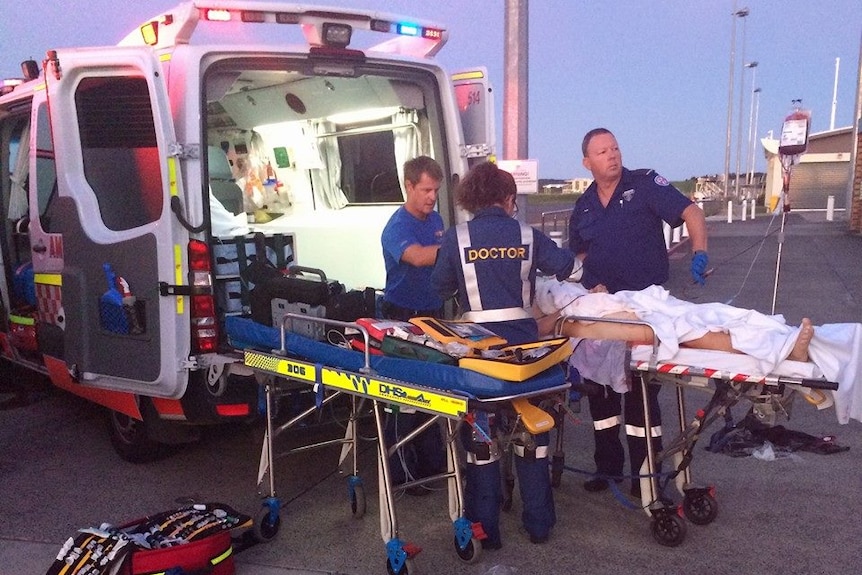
(741, 104)
(753, 66)
(755, 99)
(742, 13)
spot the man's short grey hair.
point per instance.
(590, 135)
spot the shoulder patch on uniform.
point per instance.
(661, 181)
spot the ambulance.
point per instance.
(137, 178)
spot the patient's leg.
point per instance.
(800, 348)
(720, 341)
(717, 340)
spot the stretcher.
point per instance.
(449, 393)
(769, 394)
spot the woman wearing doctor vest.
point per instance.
(491, 262)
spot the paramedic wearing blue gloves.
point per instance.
(491, 262)
(410, 242)
(616, 231)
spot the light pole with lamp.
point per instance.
(752, 144)
(753, 66)
(742, 13)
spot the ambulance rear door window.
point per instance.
(120, 152)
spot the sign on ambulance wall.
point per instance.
(525, 172)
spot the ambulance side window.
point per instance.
(46, 169)
(120, 154)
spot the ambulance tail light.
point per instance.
(203, 308)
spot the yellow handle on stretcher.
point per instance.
(535, 419)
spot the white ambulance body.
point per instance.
(134, 178)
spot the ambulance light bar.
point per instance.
(327, 28)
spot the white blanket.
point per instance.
(836, 349)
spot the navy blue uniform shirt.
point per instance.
(497, 251)
(624, 241)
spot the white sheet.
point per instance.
(836, 349)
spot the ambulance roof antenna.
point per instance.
(791, 146)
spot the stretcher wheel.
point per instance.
(357, 501)
(407, 569)
(265, 526)
(470, 553)
(700, 509)
(668, 529)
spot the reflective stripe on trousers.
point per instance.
(540, 450)
(637, 431)
(607, 423)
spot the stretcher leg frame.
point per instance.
(366, 384)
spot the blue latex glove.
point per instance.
(699, 261)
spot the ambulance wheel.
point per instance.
(407, 569)
(131, 440)
(265, 527)
(700, 509)
(470, 553)
(668, 529)
(357, 501)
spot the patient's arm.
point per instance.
(635, 333)
(639, 333)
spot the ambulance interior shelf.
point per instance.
(233, 256)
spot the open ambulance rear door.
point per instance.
(473, 94)
(101, 206)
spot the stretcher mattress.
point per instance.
(244, 333)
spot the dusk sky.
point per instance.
(654, 72)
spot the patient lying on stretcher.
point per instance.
(675, 323)
(831, 351)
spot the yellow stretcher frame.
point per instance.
(429, 400)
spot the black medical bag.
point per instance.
(306, 291)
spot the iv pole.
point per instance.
(794, 141)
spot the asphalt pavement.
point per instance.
(795, 514)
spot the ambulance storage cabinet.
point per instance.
(232, 256)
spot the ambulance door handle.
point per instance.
(39, 248)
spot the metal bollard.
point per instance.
(744, 208)
(730, 211)
(830, 208)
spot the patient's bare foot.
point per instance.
(800, 348)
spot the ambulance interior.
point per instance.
(315, 153)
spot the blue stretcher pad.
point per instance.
(244, 333)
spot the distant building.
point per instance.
(579, 185)
(576, 186)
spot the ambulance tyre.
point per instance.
(265, 525)
(131, 440)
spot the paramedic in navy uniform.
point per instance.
(410, 242)
(491, 262)
(616, 231)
